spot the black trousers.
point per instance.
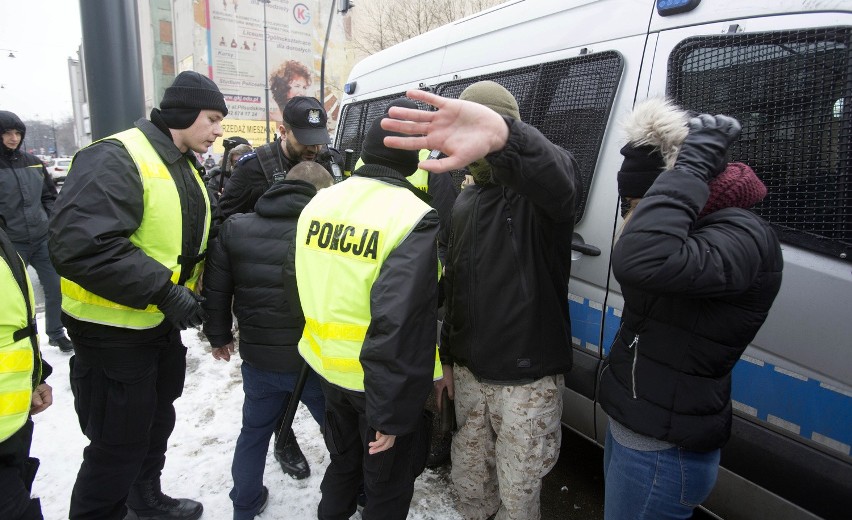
(388, 476)
(17, 471)
(123, 395)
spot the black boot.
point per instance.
(149, 503)
(290, 456)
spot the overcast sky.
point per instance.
(43, 34)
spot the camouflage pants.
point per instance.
(507, 440)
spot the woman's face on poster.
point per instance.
(298, 87)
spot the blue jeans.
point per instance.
(267, 396)
(37, 256)
(655, 485)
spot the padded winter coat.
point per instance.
(696, 292)
(247, 263)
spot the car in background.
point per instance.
(58, 169)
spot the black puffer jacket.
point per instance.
(696, 292)
(247, 262)
(509, 263)
(27, 192)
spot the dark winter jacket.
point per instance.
(101, 206)
(247, 263)
(248, 181)
(443, 194)
(696, 291)
(509, 263)
(27, 192)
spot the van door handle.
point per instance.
(579, 245)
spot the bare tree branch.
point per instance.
(384, 23)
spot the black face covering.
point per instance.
(641, 167)
(481, 172)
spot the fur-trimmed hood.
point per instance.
(659, 123)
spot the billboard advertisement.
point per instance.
(228, 46)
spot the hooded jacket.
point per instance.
(696, 292)
(509, 262)
(27, 192)
(247, 263)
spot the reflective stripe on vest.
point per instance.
(159, 236)
(16, 357)
(419, 179)
(343, 238)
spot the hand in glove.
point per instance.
(183, 307)
(703, 151)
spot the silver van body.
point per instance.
(784, 68)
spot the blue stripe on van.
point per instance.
(813, 410)
(794, 402)
(585, 323)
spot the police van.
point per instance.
(784, 69)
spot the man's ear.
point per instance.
(282, 132)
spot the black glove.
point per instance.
(183, 307)
(703, 151)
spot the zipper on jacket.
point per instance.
(634, 346)
(472, 280)
(521, 274)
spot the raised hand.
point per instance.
(462, 130)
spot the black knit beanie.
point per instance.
(641, 167)
(375, 151)
(189, 94)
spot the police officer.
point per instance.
(23, 391)
(366, 268)
(128, 236)
(303, 136)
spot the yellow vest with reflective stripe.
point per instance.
(343, 238)
(16, 357)
(420, 178)
(159, 235)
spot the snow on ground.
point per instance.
(198, 461)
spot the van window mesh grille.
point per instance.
(356, 119)
(792, 93)
(569, 101)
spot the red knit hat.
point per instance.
(736, 187)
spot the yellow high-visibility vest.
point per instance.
(159, 235)
(343, 238)
(16, 356)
